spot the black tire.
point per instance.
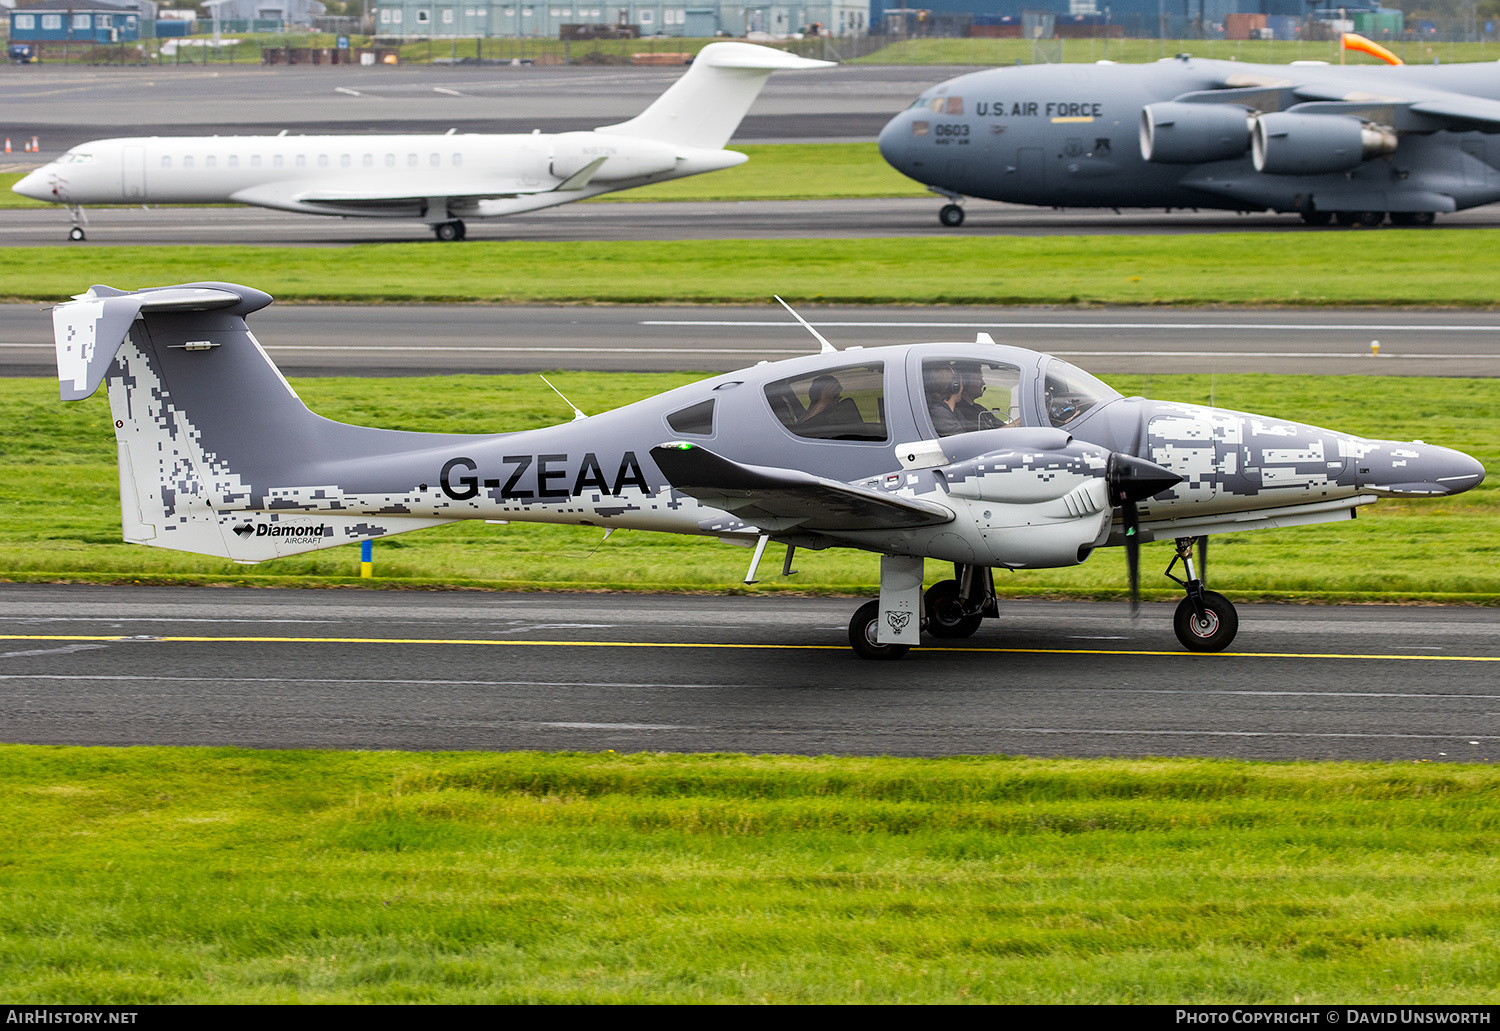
(1412, 218)
(951, 215)
(463, 231)
(448, 231)
(1221, 626)
(862, 635)
(1317, 218)
(75, 234)
(1365, 219)
(944, 617)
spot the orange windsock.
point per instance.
(1354, 41)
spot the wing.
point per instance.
(783, 499)
(1411, 107)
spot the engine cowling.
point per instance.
(625, 157)
(1286, 143)
(1173, 133)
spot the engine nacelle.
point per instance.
(624, 157)
(1286, 143)
(1190, 134)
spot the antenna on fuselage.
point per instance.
(827, 347)
(577, 412)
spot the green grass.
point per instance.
(159, 875)
(59, 501)
(1434, 266)
(1137, 51)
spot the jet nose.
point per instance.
(34, 185)
(1396, 469)
(893, 139)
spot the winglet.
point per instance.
(827, 347)
(1354, 41)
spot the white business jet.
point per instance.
(439, 179)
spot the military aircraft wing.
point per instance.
(781, 499)
(1463, 108)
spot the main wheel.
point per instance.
(447, 231)
(1368, 219)
(951, 215)
(1317, 218)
(463, 230)
(862, 630)
(1219, 624)
(75, 234)
(945, 616)
(1412, 218)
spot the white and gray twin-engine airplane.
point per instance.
(977, 454)
(1354, 143)
(438, 179)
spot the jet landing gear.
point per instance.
(951, 215)
(1205, 620)
(79, 221)
(449, 231)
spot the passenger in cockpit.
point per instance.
(823, 396)
(971, 414)
(943, 389)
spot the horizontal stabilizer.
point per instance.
(781, 499)
(89, 329)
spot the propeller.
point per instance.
(1131, 480)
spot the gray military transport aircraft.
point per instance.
(1353, 143)
(977, 454)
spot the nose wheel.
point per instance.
(951, 215)
(1205, 621)
(75, 234)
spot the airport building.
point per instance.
(81, 21)
(427, 18)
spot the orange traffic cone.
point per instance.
(7, 144)
(25, 147)
(35, 146)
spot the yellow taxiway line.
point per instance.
(704, 644)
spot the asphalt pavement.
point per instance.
(428, 670)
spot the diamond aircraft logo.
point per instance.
(245, 531)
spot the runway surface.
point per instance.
(65, 106)
(274, 668)
(867, 218)
(318, 340)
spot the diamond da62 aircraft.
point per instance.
(441, 180)
(975, 453)
(1353, 143)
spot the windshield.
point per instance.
(1070, 392)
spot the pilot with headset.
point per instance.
(971, 414)
(943, 389)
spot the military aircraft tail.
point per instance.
(210, 435)
(705, 106)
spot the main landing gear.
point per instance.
(449, 231)
(950, 609)
(1205, 620)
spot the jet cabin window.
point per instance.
(841, 404)
(1070, 392)
(963, 396)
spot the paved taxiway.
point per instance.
(95, 665)
(312, 340)
(870, 218)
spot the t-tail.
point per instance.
(215, 447)
(705, 106)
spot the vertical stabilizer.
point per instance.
(705, 106)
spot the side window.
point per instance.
(847, 403)
(1069, 392)
(698, 418)
(963, 395)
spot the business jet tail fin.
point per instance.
(218, 455)
(705, 106)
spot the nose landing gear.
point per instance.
(951, 215)
(1205, 620)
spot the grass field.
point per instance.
(59, 501)
(156, 875)
(1432, 266)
